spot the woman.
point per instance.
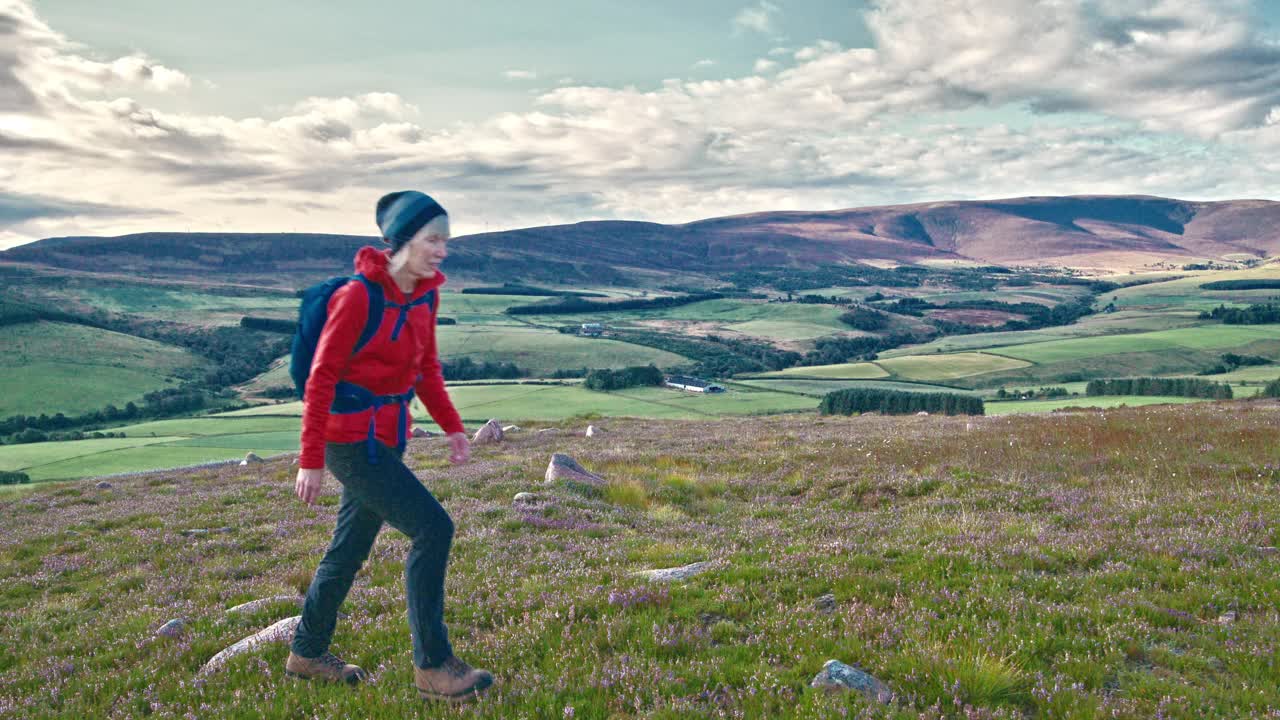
(355, 421)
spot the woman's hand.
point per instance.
(459, 448)
(309, 484)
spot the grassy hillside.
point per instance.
(1089, 565)
(53, 367)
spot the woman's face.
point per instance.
(426, 250)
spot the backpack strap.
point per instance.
(351, 398)
(429, 300)
(377, 302)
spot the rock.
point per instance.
(836, 675)
(191, 532)
(1268, 550)
(104, 485)
(254, 605)
(826, 603)
(490, 432)
(564, 468)
(511, 428)
(592, 431)
(525, 498)
(279, 632)
(923, 412)
(251, 458)
(1228, 617)
(676, 573)
(420, 433)
(172, 629)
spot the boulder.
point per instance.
(525, 498)
(251, 459)
(826, 603)
(676, 573)
(836, 675)
(1228, 617)
(592, 431)
(279, 632)
(490, 432)
(104, 485)
(420, 433)
(566, 469)
(511, 428)
(172, 629)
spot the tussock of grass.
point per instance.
(1015, 567)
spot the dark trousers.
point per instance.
(371, 494)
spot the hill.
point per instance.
(1115, 564)
(1116, 233)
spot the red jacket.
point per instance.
(382, 366)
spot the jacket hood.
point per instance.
(372, 262)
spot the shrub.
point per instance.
(14, 478)
(898, 402)
(638, 376)
(1173, 387)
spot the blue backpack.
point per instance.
(349, 397)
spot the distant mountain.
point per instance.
(1101, 232)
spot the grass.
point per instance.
(947, 367)
(1070, 566)
(53, 367)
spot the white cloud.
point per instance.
(761, 18)
(519, 74)
(763, 66)
(704, 63)
(1166, 98)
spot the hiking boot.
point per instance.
(453, 680)
(326, 667)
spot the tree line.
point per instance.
(570, 305)
(898, 402)
(636, 376)
(1252, 315)
(1172, 387)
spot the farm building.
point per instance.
(591, 329)
(693, 384)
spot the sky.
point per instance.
(296, 115)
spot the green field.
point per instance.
(1209, 337)
(543, 351)
(819, 388)
(1108, 401)
(947, 367)
(1186, 292)
(180, 305)
(1256, 373)
(844, 371)
(481, 309)
(57, 367)
(273, 429)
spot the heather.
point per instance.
(1073, 565)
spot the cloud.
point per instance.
(520, 75)
(761, 18)
(16, 208)
(704, 63)
(955, 99)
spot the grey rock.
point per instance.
(1228, 617)
(281, 631)
(676, 573)
(564, 468)
(923, 412)
(251, 458)
(511, 428)
(420, 433)
(255, 605)
(592, 431)
(835, 675)
(826, 603)
(104, 485)
(172, 629)
(525, 498)
(490, 432)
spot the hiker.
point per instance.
(356, 421)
